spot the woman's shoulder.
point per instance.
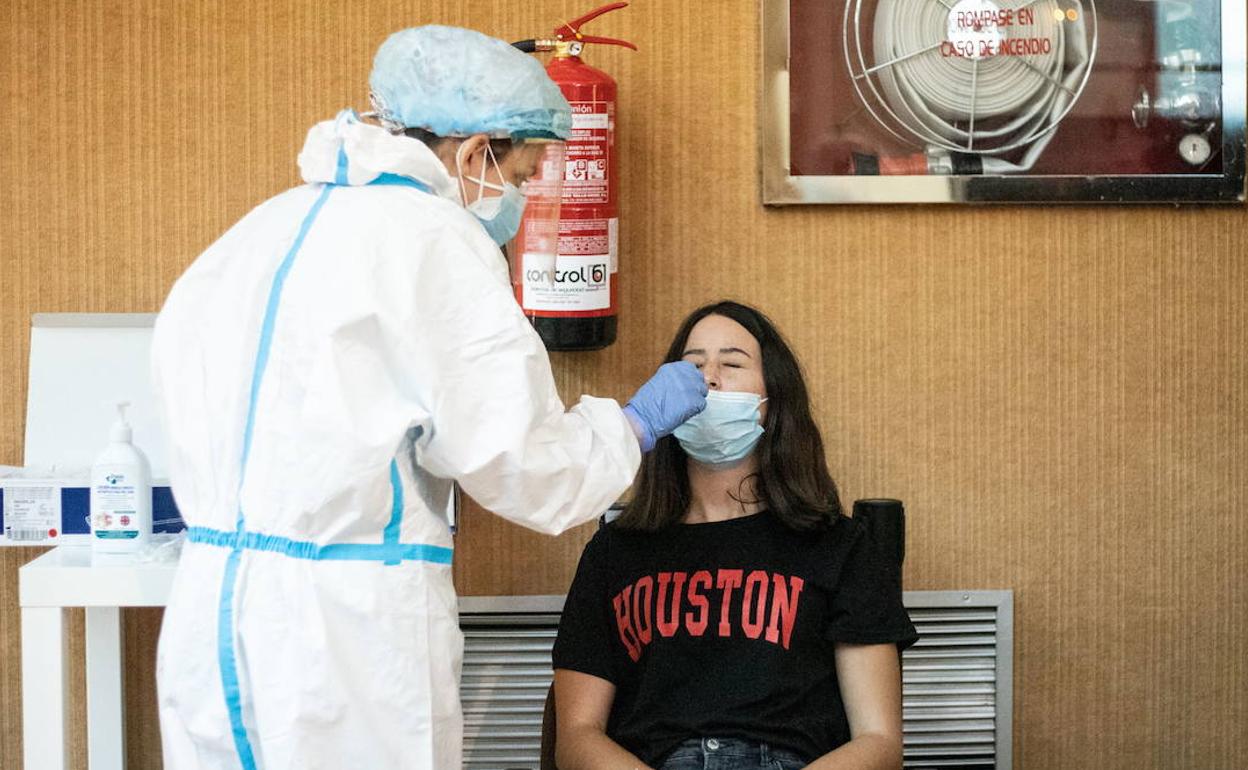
(836, 531)
(826, 549)
(611, 537)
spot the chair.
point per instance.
(885, 517)
(547, 761)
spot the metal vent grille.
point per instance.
(505, 679)
(957, 680)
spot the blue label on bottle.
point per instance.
(116, 534)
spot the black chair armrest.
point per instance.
(886, 518)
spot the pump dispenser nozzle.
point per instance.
(121, 429)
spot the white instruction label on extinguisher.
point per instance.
(580, 282)
(587, 155)
(590, 119)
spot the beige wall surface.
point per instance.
(1060, 395)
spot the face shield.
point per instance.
(533, 251)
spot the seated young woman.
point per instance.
(733, 617)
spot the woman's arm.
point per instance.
(870, 676)
(582, 705)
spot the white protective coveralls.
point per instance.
(326, 370)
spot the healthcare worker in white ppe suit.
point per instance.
(327, 370)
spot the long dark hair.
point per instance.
(792, 482)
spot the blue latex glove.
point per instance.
(676, 392)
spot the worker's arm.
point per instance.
(497, 424)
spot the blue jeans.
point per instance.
(730, 754)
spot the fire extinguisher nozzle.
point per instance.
(535, 45)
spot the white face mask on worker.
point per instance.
(500, 215)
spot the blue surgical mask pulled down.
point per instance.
(500, 215)
(726, 432)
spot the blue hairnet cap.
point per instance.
(457, 82)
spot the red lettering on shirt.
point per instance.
(641, 611)
(668, 627)
(752, 611)
(728, 580)
(783, 608)
(698, 627)
(623, 623)
(641, 616)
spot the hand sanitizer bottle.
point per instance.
(121, 493)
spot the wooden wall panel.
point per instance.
(1060, 395)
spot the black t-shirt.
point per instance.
(727, 629)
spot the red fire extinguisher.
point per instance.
(567, 284)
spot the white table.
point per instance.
(68, 577)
